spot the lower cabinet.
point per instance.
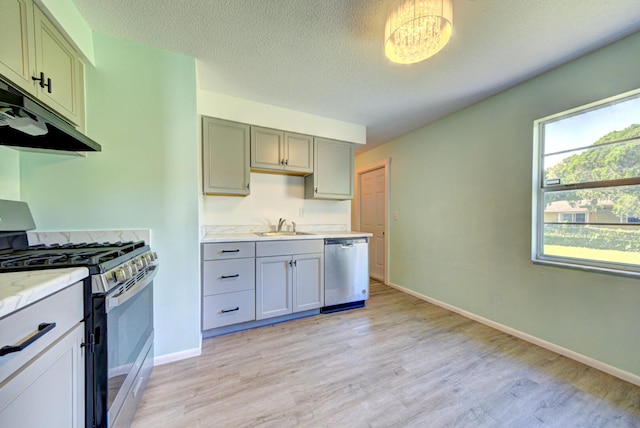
(49, 390)
(228, 284)
(289, 283)
(247, 281)
(226, 309)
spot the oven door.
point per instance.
(123, 328)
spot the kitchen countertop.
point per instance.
(238, 237)
(19, 289)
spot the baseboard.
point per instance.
(177, 356)
(613, 371)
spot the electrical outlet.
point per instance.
(301, 212)
(396, 216)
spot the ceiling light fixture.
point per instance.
(417, 29)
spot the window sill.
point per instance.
(589, 268)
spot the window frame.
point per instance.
(539, 189)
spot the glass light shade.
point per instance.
(417, 29)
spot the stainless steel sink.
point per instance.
(282, 233)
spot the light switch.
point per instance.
(396, 216)
(301, 212)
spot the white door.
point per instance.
(372, 218)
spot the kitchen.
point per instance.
(160, 126)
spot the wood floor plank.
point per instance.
(398, 362)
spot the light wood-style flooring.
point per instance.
(399, 362)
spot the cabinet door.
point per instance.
(273, 286)
(308, 281)
(332, 176)
(225, 157)
(298, 152)
(17, 53)
(58, 61)
(49, 391)
(267, 149)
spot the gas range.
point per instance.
(119, 334)
(110, 263)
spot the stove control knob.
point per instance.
(155, 256)
(128, 272)
(148, 258)
(120, 275)
(134, 268)
(139, 263)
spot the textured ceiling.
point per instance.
(325, 57)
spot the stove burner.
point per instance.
(43, 256)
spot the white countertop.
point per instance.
(19, 289)
(238, 237)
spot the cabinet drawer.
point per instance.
(64, 308)
(228, 250)
(225, 309)
(281, 248)
(226, 276)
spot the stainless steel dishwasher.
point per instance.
(346, 273)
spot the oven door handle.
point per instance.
(113, 302)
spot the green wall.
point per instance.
(9, 173)
(141, 107)
(462, 188)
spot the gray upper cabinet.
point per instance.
(58, 63)
(273, 150)
(17, 51)
(332, 176)
(299, 152)
(35, 57)
(225, 154)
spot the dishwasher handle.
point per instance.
(348, 242)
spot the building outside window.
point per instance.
(586, 186)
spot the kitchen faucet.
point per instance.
(280, 223)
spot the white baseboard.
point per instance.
(613, 371)
(177, 356)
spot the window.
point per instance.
(586, 186)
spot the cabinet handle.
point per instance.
(225, 311)
(286, 162)
(295, 263)
(230, 251)
(316, 190)
(229, 276)
(41, 80)
(247, 186)
(282, 162)
(43, 329)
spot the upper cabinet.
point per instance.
(35, 57)
(225, 155)
(231, 150)
(17, 52)
(59, 74)
(332, 176)
(273, 150)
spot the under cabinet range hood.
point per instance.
(25, 123)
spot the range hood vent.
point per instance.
(25, 123)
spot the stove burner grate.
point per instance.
(66, 255)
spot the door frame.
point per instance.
(356, 206)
